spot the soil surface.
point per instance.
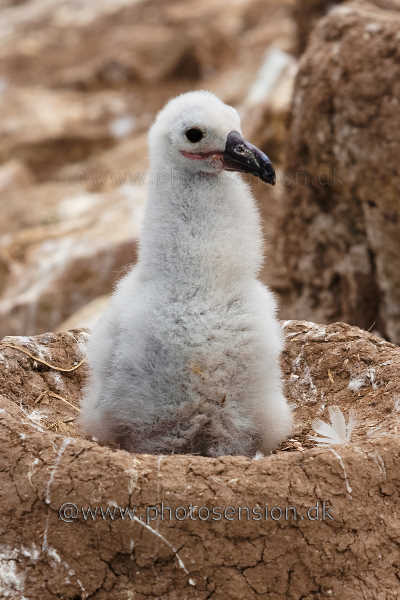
(347, 548)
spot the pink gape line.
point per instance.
(202, 155)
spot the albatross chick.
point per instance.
(186, 357)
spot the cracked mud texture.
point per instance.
(45, 462)
(337, 243)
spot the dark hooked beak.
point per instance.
(240, 155)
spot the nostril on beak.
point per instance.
(240, 149)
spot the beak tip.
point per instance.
(269, 175)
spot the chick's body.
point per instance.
(186, 358)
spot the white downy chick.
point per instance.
(186, 357)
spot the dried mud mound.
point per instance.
(337, 245)
(350, 551)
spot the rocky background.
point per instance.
(317, 83)
(80, 83)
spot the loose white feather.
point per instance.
(337, 431)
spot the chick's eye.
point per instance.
(194, 135)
